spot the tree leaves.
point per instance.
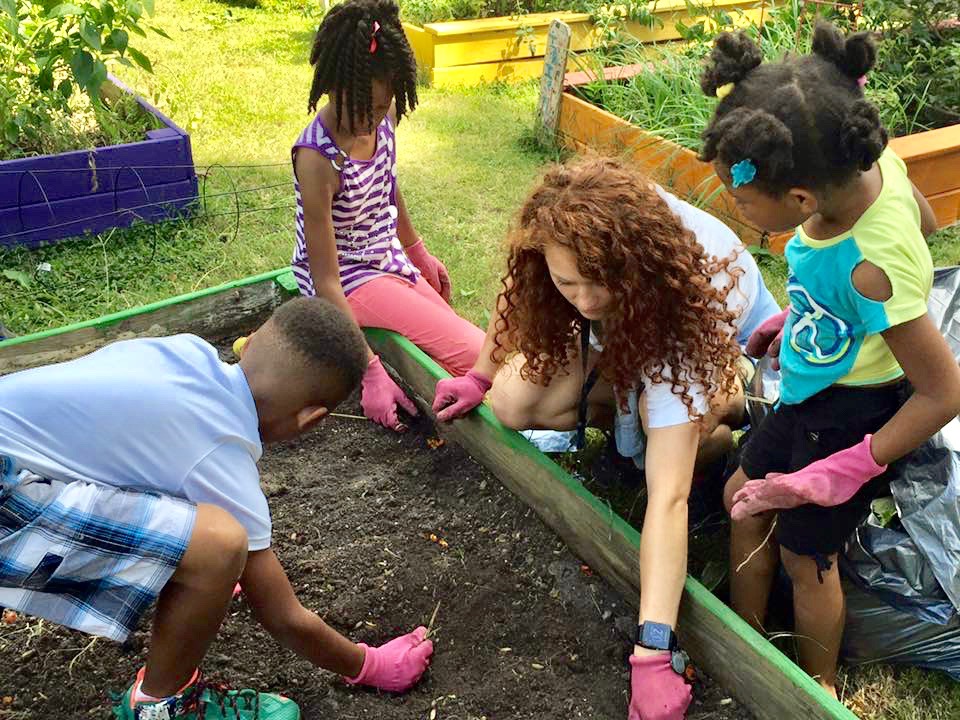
(117, 41)
(58, 47)
(63, 10)
(90, 35)
(140, 59)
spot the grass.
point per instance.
(464, 167)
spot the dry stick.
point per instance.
(432, 619)
(346, 416)
(759, 547)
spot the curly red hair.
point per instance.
(665, 311)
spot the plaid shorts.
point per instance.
(87, 556)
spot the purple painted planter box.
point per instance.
(49, 198)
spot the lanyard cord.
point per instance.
(590, 379)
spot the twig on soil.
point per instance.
(432, 619)
(346, 416)
(79, 655)
(759, 547)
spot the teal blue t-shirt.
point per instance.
(832, 335)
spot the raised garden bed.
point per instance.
(523, 631)
(467, 52)
(754, 672)
(48, 198)
(932, 158)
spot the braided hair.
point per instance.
(359, 41)
(803, 121)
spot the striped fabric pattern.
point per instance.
(87, 556)
(364, 212)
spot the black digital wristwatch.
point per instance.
(656, 636)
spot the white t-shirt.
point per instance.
(664, 408)
(160, 414)
(750, 301)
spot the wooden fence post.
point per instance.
(551, 82)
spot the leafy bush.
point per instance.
(920, 56)
(49, 51)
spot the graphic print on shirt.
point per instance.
(818, 335)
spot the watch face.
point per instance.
(656, 636)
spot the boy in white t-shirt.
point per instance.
(130, 475)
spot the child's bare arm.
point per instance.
(318, 184)
(930, 367)
(928, 220)
(276, 607)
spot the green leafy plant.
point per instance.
(51, 50)
(919, 58)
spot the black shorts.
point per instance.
(793, 436)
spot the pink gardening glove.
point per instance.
(656, 691)
(434, 271)
(396, 666)
(828, 482)
(455, 397)
(380, 396)
(766, 339)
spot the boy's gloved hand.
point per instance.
(380, 396)
(434, 271)
(398, 665)
(828, 482)
(656, 691)
(767, 338)
(455, 397)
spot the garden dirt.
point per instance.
(375, 531)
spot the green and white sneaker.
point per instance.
(205, 700)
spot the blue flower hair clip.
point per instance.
(743, 172)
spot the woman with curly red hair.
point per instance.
(620, 299)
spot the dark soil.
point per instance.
(524, 630)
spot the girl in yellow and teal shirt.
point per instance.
(866, 375)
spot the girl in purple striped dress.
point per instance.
(356, 245)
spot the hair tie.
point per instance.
(724, 90)
(862, 80)
(373, 37)
(743, 172)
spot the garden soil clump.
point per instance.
(375, 530)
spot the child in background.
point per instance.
(130, 475)
(356, 245)
(866, 375)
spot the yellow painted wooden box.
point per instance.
(468, 52)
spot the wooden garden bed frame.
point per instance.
(738, 657)
(48, 198)
(932, 159)
(467, 52)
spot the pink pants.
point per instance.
(418, 313)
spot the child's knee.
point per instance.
(221, 540)
(736, 481)
(809, 571)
